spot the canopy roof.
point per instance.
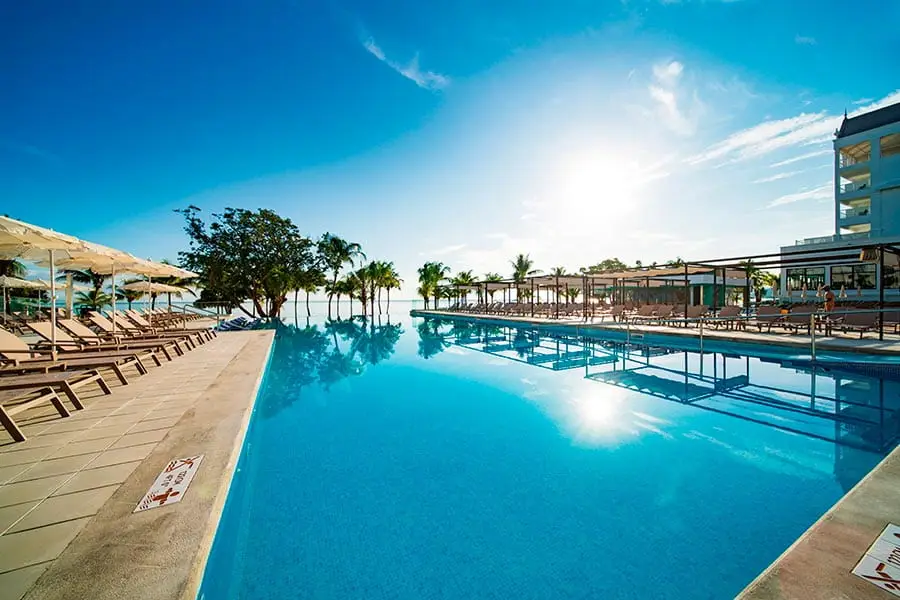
(151, 287)
(23, 240)
(15, 282)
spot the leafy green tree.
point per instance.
(392, 281)
(335, 252)
(246, 254)
(522, 267)
(309, 280)
(463, 280)
(93, 299)
(430, 276)
(13, 268)
(85, 276)
(492, 278)
(609, 264)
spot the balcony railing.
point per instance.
(853, 186)
(848, 160)
(856, 211)
(825, 239)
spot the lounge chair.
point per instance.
(141, 322)
(645, 313)
(39, 384)
(766, 316)
(800, 317)
(66, 341)
(16, 354)
(129, 331)
(858, 321)
(14, 402)
(729, 317)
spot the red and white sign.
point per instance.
(171, 484)
(881, 563)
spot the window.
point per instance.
(891, 276)
(890, 145)
(854, 276)
(811, 277)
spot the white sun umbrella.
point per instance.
(104, 261)
(32, 242)
(7, 282)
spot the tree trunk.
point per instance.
(307, 304)
(296, 293)
(379, 301)
(338, 306)
(372, 296)
(330, 293)
(389, 300)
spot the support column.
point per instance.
(880, 278)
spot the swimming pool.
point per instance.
(424, 458)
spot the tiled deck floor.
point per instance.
(52, 484)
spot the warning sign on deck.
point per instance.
(171, 484)
(880, 564)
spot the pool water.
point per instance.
(412, 458)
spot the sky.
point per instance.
(462, 131)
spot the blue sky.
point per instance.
(459, 131)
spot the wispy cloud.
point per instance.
(863, 101)
(804, 40)
(778, 176)
(795, 159)
(428, 80)
(446, 250)
(801, 130)
(822, 192)
(669, 97)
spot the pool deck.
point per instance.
(869, 344)
(67, 529)
(818, 565)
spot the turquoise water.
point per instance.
(425, 459)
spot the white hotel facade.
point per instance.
(866, 209)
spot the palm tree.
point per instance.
(463, 279)
(492, 278)
(334, 253)
(130, 296)
(392, 281)
(13, 268)
(86, 276)
(430, 276)
(521, 265)
(559, 272)
(309, 281)
(94, 299)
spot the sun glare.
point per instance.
(598, 185)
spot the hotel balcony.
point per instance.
(828, 239)
(857, 214)
(849, 190)
(853, 161)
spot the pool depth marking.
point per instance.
(880, 564)
(171, 484)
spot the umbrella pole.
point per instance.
(113, 282)
(70, 302)
(52, 309)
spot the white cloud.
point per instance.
(446, 250)
(863, 101)
(778, 176)
(801, 130)
(804, 40)
(669, 97)
(428, 80)
(794, 159)
(668, 73)
(822, 192)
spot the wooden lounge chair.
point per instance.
(196, 335)
(130, 331)
(14, 402)
(645, 313)
(66, 342)
(15, 352)
(800, 318)
(66, 381)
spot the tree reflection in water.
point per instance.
(311, 355)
